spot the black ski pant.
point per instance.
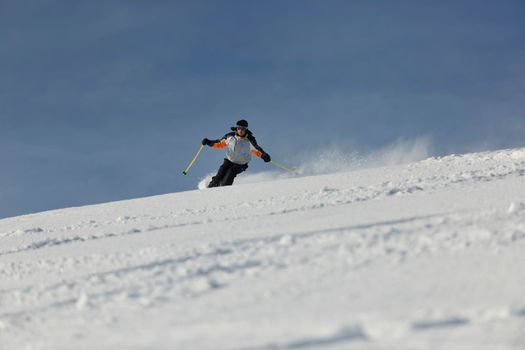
(227, 172)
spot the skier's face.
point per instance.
(241, 132)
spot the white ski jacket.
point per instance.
(240, 149)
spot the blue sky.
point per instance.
(108, 100)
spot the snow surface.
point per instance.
(428, 255)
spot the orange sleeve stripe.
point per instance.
(256, 152)
(222, 144)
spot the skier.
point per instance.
(240, 143)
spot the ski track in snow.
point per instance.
(239, 267)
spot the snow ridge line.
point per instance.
(344, 335)
(51, 242)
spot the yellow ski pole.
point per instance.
(193, 161)
(285, 168)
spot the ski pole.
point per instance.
(282, 166)
(193, 161)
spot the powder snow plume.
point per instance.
(339, 158)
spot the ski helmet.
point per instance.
(240, 124)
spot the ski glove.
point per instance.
(207, 142)
(266, 157)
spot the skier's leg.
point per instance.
(217, 179)
(235, 170)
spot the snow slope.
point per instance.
(428, 255)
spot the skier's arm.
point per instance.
(265, 156)
(257, 150)
(221, 143)
(255, 146)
